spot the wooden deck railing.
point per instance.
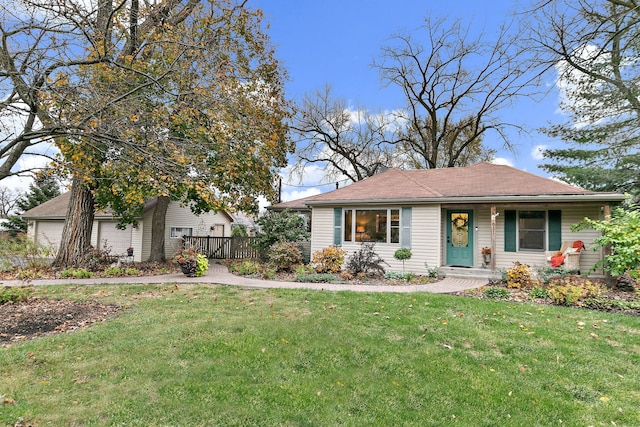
(223, 247)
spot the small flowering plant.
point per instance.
(486, 251)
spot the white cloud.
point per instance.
(538, 151)
(502, 161)
(300, 194)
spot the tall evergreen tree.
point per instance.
(44, 188)
(594, 46)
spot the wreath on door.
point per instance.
(459, 222)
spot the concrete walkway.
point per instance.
(219, 274)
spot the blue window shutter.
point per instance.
(337, 226)
(510, 230)
(555, 230)
(405, 235)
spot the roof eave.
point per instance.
(555, 198)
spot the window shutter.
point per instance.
(337, 226)
(405, 235)
(510, 230)
(555, 230)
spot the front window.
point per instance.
(178, 232)
(372, 225)
(531, 230)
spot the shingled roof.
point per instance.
(481, 182)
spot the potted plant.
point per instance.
(191, 262)
(130, 251)
(486, 255)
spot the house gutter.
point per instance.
(560, 198)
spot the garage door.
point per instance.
(49, 233)
(117, 240)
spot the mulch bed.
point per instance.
(37, 317)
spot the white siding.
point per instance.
(570, 215)
(426, 237)
(178, 216)
(321, 229)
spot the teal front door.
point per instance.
(460, 238)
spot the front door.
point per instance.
(460, 238)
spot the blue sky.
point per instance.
(334, 42)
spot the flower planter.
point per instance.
(487, 258)
(189, 269)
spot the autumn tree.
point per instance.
(455, 85)
(351, 143)
(178, 100)
(594, 47)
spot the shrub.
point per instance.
(280, 226)
(620, 232)
(284, 255)
(519, 276)
(545, 273)
(539, 292)
(365, 260)
(316, 278)
(432, 272)
(627, 282)
(329, 259)
(14, 294)
(96, 258)
(304, 269)
(571, 290)
(76, 273)
(269, 273)
(113, 271)
(402, 254)
(245, 268)
(496, 292)
(392, 275)
(24, 253)
(130, 271)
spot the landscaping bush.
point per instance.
(304, 269)
(329, 259)
(14, 294)
(620, 233)
(496, 292)
(245, 268)
(539, 292)
(402, 254)
(519, 276)
(545, 273)
(571, 290)
(365, 260)
(628, 282)
(316, 278)
(22, 252)
(392, 275)
(113, 271)
(76, 273)
(284, 255)
(96, 258)
(279, 226)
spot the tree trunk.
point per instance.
(158, 230)
(76, 234)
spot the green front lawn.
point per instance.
(212, 355)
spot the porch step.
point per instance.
(479, 273)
